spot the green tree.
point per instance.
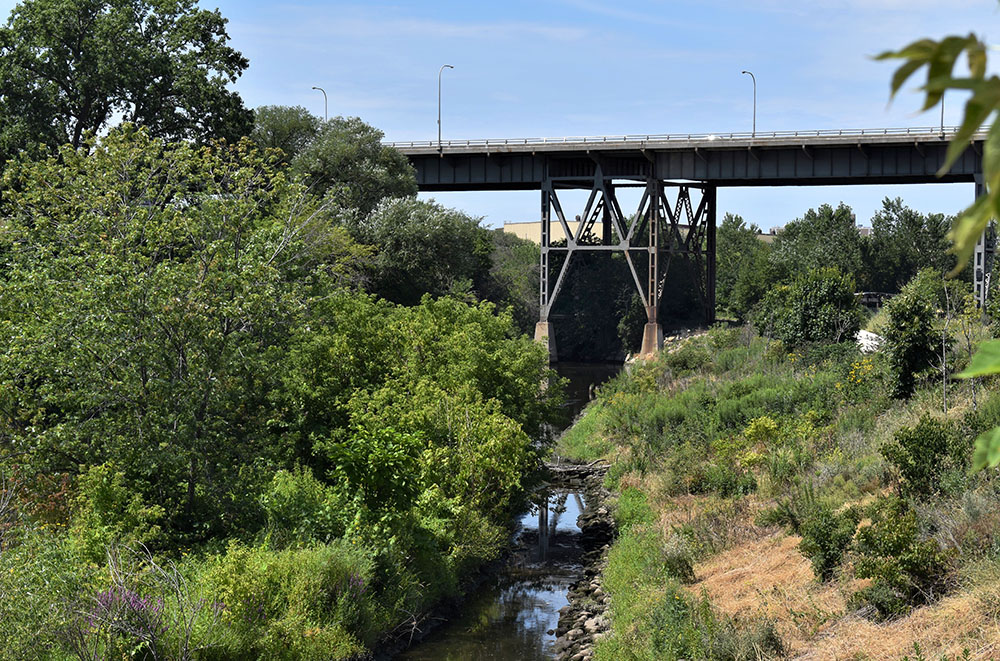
(903, 241)
(348, 161)
(513, 277)
(806, 243)
(818, 306)
(69, 67)
(460, 377)
(743, 272)
(151, 288)
(423, 248)
(288, 128)
(911, 342)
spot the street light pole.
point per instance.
(325, 116)
(752, 77)
(440, 71)
(942, 114)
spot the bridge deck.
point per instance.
(838, 156)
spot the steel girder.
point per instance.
(658, 228)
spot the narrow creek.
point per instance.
(513, 616)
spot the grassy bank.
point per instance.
(779, 502)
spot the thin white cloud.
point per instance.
(380, 28)
(656, 15)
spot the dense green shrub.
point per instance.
(690, 356)
(724, 479)
(300, 509)
(818, 306)
(321, 599)
(109, 513)
(911, 343)
(905, 569)
(919, 453)
(826, 535)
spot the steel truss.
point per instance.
(658, 228)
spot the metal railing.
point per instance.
(923, 131)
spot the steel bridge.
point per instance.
(679, 175)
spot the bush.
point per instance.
(689, 357)
(678, 558)
(109, 513)
(321, 597)
(919, 454)
(905, 570)
(818, 306)
(301, 509)
(911, 343)
(725, 480)
(826, 535)
(722, 336)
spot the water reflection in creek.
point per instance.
(510, 617)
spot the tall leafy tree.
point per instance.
(816, 306)
(743, 273)
(151, 289)
(903, 241)
(288, 128)
(513, 277)
(806, 243)
(348, 161)
(68, 67)
(424, 248)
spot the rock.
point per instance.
(573, 634)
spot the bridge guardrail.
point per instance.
(924, 131)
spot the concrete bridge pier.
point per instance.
(652, 339)
(545, 335)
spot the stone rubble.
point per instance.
(586, 619)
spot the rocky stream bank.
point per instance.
(585, 620)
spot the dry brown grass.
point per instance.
(769, 577)
(946, 628)
(714, 523)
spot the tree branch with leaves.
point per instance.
(940, 59)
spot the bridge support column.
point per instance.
(544, 331)
(983, 256)
(545, 335)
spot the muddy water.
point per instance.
(513, 617)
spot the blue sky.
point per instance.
(585, 67)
